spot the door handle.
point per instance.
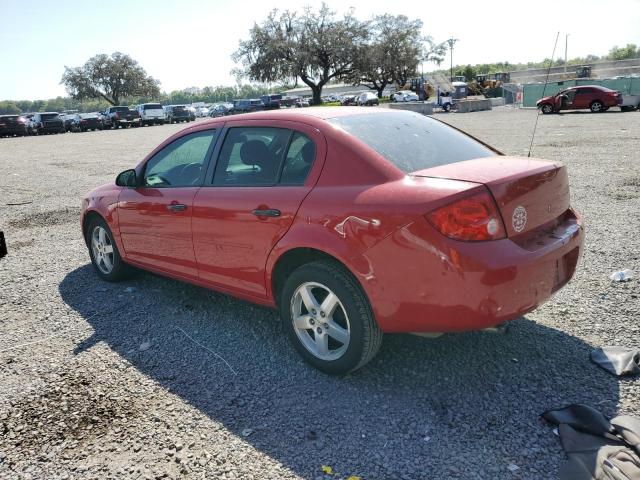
(177, 207)
(269, 212)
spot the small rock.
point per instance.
(144, 346)
(513, 467)
(247, 431)
(129, 289)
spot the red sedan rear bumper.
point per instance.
(421, 281)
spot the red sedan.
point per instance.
(351, 221)
(585, 97)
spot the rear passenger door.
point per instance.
(263, 172)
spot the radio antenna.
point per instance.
(543, 90)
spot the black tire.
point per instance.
(596, 106)
(446, 107)
(365, 337)
(546, 108)
(120, 271)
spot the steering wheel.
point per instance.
(190, 173)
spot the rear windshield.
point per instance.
(50, 116)
(152, 106)
(412, 141)
(120, 109)
(9, 117)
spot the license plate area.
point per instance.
(565, 267)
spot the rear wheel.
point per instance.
(104, 253)
(446, 107)
(328, 318)
(596, 106)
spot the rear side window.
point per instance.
(411, 141)
(297, 164)
(251, 156)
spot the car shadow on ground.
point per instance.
(418, 406)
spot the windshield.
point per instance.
(412, 141)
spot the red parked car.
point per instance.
(351, 221)
(585, 97)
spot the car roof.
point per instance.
(309, 113)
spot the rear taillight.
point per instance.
(117, 115)
(471, 219)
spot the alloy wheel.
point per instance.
(102, 248)
(320, 321)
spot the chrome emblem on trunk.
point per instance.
(519, 218)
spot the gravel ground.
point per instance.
(153, 378)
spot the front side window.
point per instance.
(181, 163)
(251, 156)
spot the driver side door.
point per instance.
(155, 218)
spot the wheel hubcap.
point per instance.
(102, 248)
(320, 321)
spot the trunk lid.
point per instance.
(529, 192)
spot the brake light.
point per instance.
(117, 115)
(471, 219)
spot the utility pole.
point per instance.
(451, 43)
(566, 42)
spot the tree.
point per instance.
(111, 78)
(394, 47)
(624, 53)
(431, 52)
(315, 47)
(8, 108)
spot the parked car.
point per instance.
(176, 113)
(348, 234)
(247, 105)
(11, 125)
(348, 100)
(302, 102)
(192, 112)
(85, 121)
(405, 96)
(46, 122)
(202, 112)
(271, 102)
(151, 114)
(67, 118)
(584, 97)
(120, 116)
(220, 110)
(368, 99)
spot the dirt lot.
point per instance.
(152, 378)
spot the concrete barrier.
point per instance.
(497, 102)
(419, 107)
(464, 106)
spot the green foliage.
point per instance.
(8, 108)
(624, 53)
(314, 46)
(110, 78)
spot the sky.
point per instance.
(187, 43)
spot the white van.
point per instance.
(151, 114)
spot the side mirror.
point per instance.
(127, 179)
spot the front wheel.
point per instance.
(446, 107)
(596, 106)
(328, 318)
(546, 108)
(104, 253)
